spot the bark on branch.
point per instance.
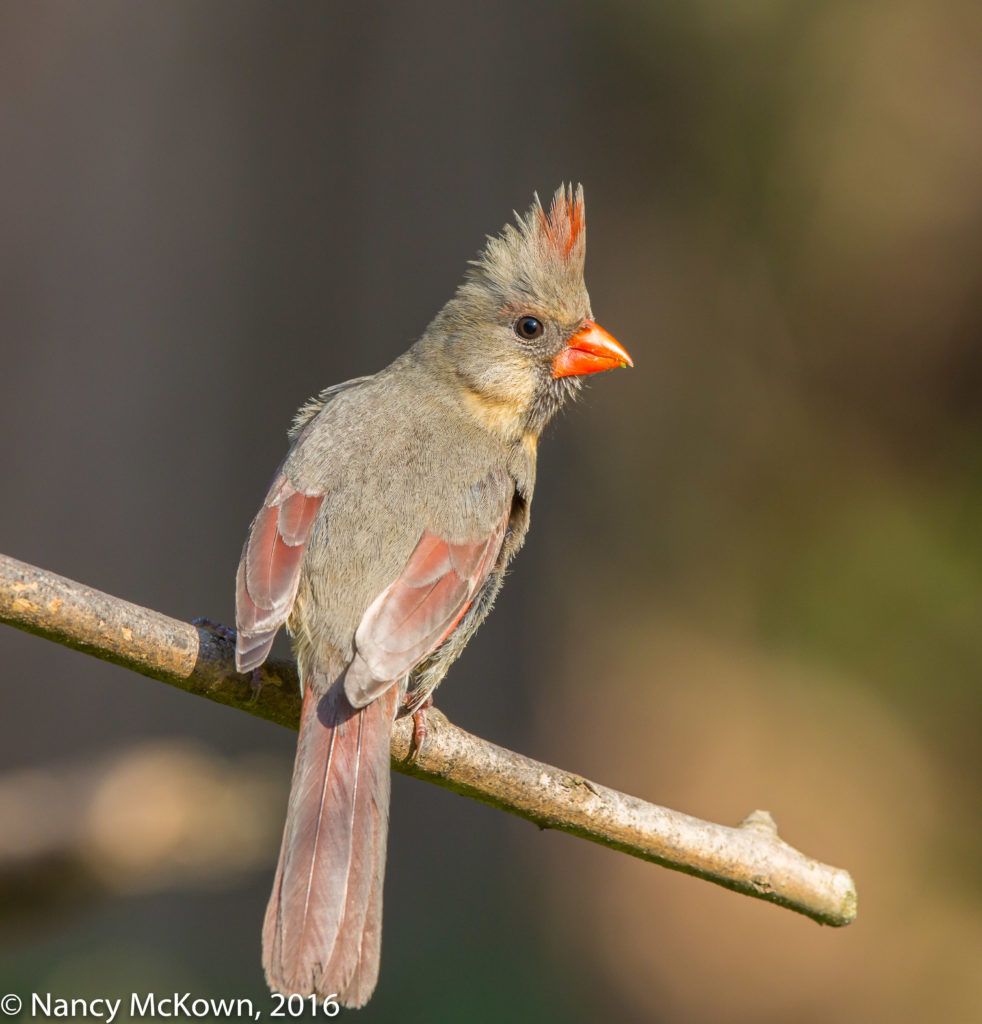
(749, 858)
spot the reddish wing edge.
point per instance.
(414, 615)
(269, 570)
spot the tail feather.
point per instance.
(321, 933)
(356, 952)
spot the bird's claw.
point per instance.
(216, 627)
(419, 729)
(256, 684)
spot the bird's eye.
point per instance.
(528, 327)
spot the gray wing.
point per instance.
(413, 616)
(269, 569)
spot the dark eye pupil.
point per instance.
(528, 327)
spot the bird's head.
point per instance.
(519, 334)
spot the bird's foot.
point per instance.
(419, 728)
(216, 627)
(256, 683)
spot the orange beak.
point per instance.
(590, 350)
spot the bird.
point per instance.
(382, 544)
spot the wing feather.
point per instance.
(269, 570)
(414, 615)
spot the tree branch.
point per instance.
(749, 858)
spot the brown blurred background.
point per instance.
(755, 571)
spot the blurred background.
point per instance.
(754, 577)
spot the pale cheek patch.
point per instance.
(502, 399)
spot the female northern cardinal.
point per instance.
(382, 544)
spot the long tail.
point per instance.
(323, 927)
